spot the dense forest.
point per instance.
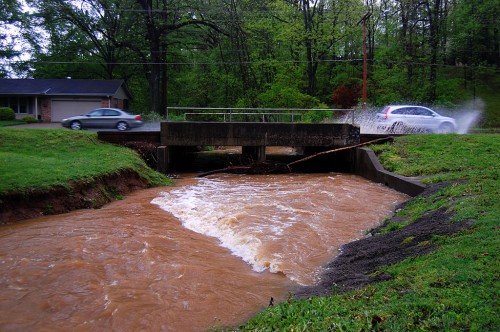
(254, 53)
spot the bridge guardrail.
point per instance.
(228, 117)
(228, 114)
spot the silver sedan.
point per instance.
(112, 118)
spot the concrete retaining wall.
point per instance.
(368, 166)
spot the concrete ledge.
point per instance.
(368, 166)
(121, 137)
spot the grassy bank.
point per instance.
(37, 159)
(454, 288)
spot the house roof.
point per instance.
(61, 87)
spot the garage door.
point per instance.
(62, 109)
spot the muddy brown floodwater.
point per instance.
(206, 252)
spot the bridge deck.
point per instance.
(252, 136)
(258, 134)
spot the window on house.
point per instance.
(4, 102)
(22, 106)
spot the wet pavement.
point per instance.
(148, 126)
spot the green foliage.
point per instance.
(29, 119)
(487, 88)
(455, 288)
(280, 96)
(7, 113)
(448, 91)
(239, 53)
(33, 159)
(387, 85)
(317, 116)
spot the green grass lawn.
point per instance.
(456, 287)
(11, 123)
(32, 159)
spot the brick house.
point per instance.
(51, 100)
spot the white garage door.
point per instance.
(62, 109)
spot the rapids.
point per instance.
(206, 252)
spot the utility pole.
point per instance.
(365, 64)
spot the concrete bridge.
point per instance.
(253, 137)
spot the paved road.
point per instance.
(148, 126)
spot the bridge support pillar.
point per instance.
(163, 154)
(255, 153)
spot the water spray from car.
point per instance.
(418, 120)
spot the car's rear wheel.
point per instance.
(398, 128)
(122, 126)
(75, 125)
(446, 128)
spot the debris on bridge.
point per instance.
(281, 168)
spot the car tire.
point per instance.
(75, 125)
(446, 128)
(122, 126)
(398, 128)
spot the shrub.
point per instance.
(29, 119)
(7, 113)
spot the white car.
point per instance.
(414, 119)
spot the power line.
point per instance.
(234, 63)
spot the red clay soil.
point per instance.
(94, 193)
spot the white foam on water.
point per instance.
(279, 223)
(205, 208)
(250, 216)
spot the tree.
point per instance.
(87, 32)
(436, 14)
(320, 32)
(10, 17)
(474, 32)
(162, 18)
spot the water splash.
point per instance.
(466, 116)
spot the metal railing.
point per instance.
(262, 114)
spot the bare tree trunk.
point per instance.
(157, 69)
(434, 15)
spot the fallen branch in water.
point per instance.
(257, 168)
(378, 140)
(268, 168)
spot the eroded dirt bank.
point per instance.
(358, 260)
(93, 193)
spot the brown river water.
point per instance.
(206, 252)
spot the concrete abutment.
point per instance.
(176, 140)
